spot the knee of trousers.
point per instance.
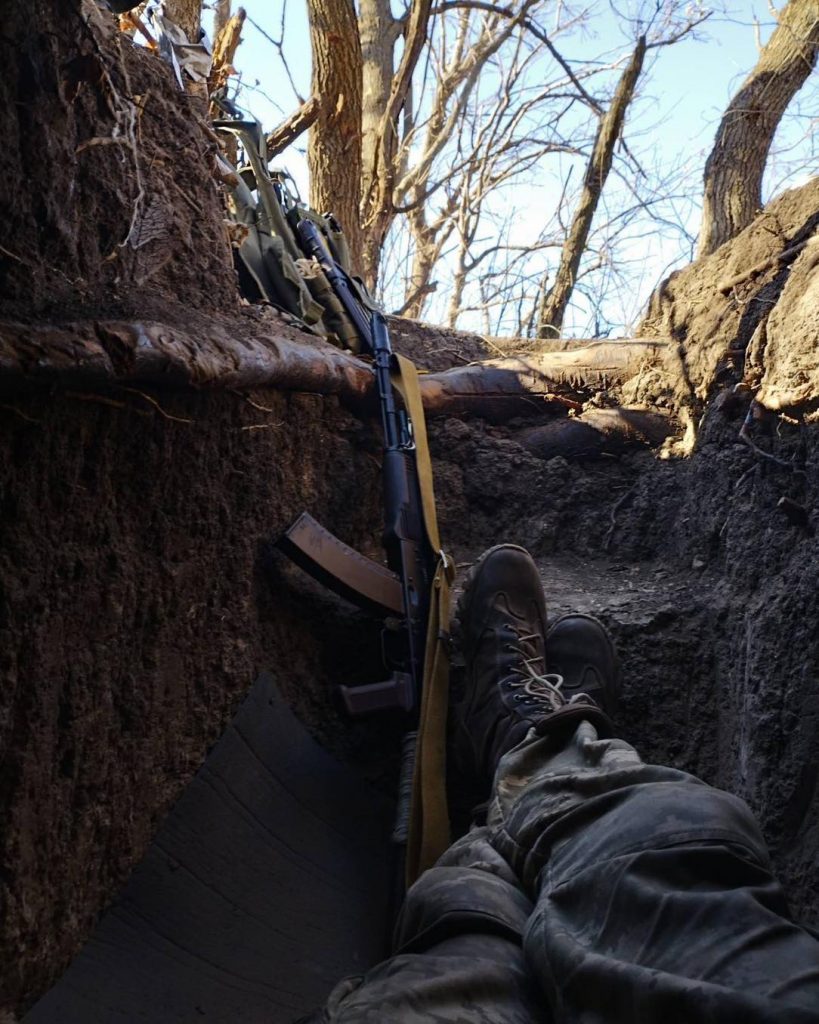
(647, 816)
(449, 901)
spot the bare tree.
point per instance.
(736, 164)
(555, 301)
(463, 104)
(490, 105)
(378, 204)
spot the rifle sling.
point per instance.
(405, 381)
(429, 833)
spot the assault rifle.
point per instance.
(411, 591)
(403, 589)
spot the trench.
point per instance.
(143, 602)
(156, 650)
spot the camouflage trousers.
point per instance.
(601, 889)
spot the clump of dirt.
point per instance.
(716, 309)
(436, 348)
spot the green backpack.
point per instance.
(270, 262)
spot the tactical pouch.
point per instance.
(266, 261)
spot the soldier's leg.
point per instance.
(459, 955)
(654, 897)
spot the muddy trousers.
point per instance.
(601, 890)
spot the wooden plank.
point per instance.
(266, 884)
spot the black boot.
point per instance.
(508, 690)
(580, 649)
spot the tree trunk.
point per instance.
(377, 202)
(159, 353)
(557, 298)
(187, 15)
(734, 169)
(334, 147)
(598, 432)
(379, 31)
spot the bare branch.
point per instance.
(295, 125)
(508, 12)
(555, 302)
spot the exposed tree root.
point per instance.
(115, 353)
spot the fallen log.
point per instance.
(598, 432)
(116, 353)
(500, 388)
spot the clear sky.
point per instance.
(683, 95)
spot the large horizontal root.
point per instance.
(110, 353)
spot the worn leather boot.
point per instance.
(580, 649)
(501, 619)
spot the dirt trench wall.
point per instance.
(140, 596)
(108, 199)
(709, 588)
(138, 593)
(138, 600)
(744, 710)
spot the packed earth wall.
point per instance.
(139, 597)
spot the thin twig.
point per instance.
(102, 400)
(744, 436)
(20, 413)
(538, 33)
(100, 140)
(730, 283)
(256, 405)
(14, 256)
(197, 209)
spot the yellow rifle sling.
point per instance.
(429, 833)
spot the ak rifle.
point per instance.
(411, 592)
(404, 589)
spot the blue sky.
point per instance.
(683, 95)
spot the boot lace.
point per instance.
(542, 686)
(538, 685)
